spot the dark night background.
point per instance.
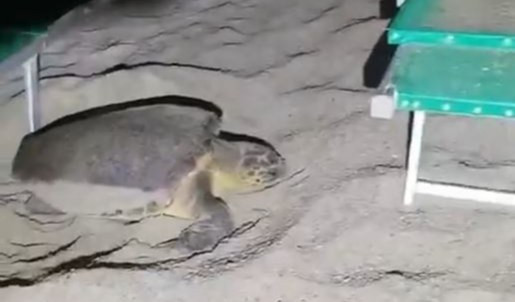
(34, 12)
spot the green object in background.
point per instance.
(482, 23)
(12, 41)
(27, 22)
(463, 81)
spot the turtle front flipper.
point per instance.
(195, 200)
(208, 232)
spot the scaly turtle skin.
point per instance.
(141, 161)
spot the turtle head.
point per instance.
(242, 166)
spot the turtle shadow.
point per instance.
(176, 100)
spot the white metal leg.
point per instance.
(31, 75)
(414, 156)
(400, 2)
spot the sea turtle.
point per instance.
(129, 163)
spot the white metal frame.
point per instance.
(31, 77)
(414, 185)
(383, 106)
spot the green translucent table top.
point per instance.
(457, 80)
(486, 23)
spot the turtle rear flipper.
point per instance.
(37, 206)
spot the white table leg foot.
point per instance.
(31, 75)
(414, 156)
